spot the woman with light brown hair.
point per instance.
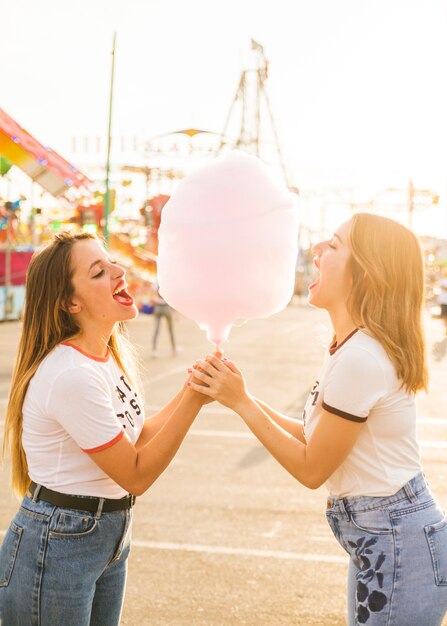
(80, 447)
(359, 423)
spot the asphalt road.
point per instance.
(226, 536)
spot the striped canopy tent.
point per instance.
(42, 164)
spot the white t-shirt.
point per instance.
(358, 382)
(76, 403)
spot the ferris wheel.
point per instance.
(249, 126)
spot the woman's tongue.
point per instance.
(122, 297)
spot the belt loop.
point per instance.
(343, 502)
(410, 493)
(99, 509)
(36, 493)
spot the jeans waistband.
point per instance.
(410, 492)
(81, 503)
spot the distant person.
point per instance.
(80, 446)
(359, 430)
(162, 310)
(442, 300)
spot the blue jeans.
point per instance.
(398, 556)
(63, 567)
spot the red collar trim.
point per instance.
(103, 359)
(334, 347)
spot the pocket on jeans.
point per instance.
(8, 553)
(67, 524)
(375, 522)
(437, 542)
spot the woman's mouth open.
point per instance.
(121, 296)
(316, 264)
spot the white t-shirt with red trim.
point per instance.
(76, 404)
(358, 382)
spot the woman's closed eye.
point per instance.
(99, 274)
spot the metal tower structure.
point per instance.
(245, 128)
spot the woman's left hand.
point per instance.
(221, 380)
(193, 379)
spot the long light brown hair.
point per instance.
(387, 294)
(45, 324)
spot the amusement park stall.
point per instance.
(13, 268)
(55, 176)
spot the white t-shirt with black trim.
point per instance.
(358, 382)
(75, 404)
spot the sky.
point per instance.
(358, 88)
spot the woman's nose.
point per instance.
(119, 271)
(317, 248)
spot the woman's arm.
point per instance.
(156, 421)
(135, 468)
(312, 463)
(153, 424)
(289, 424)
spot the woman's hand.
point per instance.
(192, 378)
(192, 371)
(221, 380)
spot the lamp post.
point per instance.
(5, 166)
(109, 140)
(8, 279)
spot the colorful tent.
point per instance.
(43, 165)
(18, 266)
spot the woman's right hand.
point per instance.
(192, 370)
(193, 378)
(222, 380)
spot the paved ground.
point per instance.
(225, 537)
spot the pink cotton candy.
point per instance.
(228, 243)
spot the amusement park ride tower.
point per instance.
(249, 126)
(250, 118)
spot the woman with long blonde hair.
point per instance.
(81, 449)
(358, 433)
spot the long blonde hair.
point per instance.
(45, 324)
(387, 294)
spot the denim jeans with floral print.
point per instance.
(398, 556)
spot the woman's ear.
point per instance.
(71, 307)
(74, 307)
